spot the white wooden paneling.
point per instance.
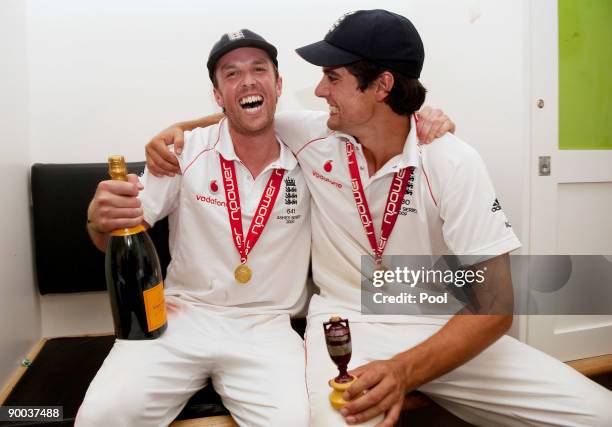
(570, 208)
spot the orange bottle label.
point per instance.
(155, 306)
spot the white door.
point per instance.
(571, 209)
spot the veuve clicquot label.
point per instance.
(155, 307)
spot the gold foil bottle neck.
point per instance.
(117, 168)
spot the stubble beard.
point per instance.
(241, 127)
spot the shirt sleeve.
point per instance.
(474, 223)
(159, 197)
(297, 128)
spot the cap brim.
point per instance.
(325, 54)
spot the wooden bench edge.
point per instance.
(593, 366)
(14, 379)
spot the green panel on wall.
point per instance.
(585, 74)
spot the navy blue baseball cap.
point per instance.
(235, 40)
(385, 38)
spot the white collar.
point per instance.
(286, 160)
(410, 156)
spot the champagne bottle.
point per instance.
(134, 277)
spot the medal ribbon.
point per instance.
(392, 208)
(262, 213)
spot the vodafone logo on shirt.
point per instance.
(320, 176)
(210, 200)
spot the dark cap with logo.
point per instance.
(379, 36)
(235, 40)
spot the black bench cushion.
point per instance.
(66, 260)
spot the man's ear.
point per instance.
(218, 97)
(384, 84)
(279, 86)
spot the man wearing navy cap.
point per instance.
(371, 62)
(354, 159)
(229, 296)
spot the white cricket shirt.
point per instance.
(449, 207)
(203, 253)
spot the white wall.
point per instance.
(105, 76)
(19, 311)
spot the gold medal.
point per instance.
(243, 274)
